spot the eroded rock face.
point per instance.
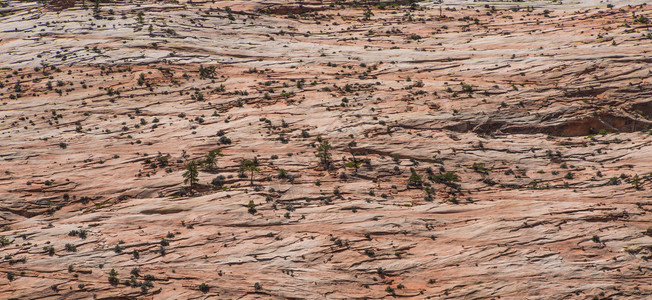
(501, 150)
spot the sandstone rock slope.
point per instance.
(367, 150)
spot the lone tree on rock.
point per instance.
(355, 163)
(249, 166)
(190, 176)
(323, 152)
(636, 182)
(210, 160)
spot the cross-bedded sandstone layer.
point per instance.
(480, 150)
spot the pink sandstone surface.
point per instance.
(541, 109)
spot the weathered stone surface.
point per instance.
(542, 110)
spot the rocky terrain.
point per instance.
(367, 149)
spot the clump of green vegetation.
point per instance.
(71, 248)
(445, 177)
(207, 72)
(251, 207)
(415, 179)
(4, 240)
(467, 88)
(480, 168)
(204, 288)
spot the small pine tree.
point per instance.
(636, 182)
(367, 14)
(323, 152)
(113, 277)
(250, 166)
(210, 160)
(96, 9)
(190, 176)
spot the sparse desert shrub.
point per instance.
(218, 181)
(204, 288)
(207, 72)
(71, 248)
(251, 207)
